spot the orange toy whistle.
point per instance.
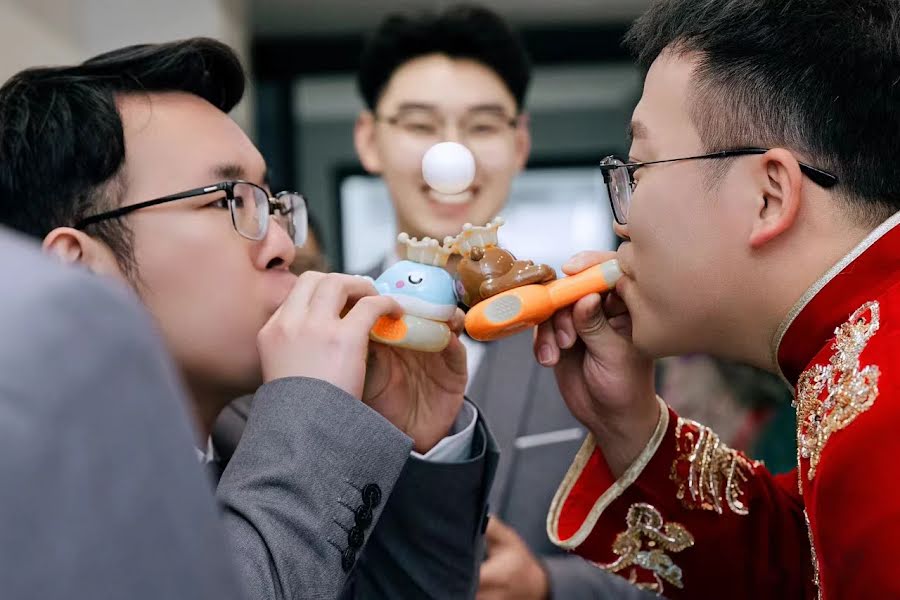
(525, 307)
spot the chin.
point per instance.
(641, 343)
(439, 229)
(652, 346)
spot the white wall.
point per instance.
(43, 32)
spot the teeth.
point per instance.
(460, 198)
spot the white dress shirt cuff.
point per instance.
(457, 446)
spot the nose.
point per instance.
(453, 133)
(276, 250)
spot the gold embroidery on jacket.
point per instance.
(812, 552)
(645, 525)
(707, 472)
(848, 390)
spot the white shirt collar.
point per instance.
(209, 456)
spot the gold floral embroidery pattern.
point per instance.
(812, 551)
(645, 522)
(849, 391)
(707, 472)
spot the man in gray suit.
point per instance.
(462, 76)
(100, 496)
(129, 165)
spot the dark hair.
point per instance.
(62, 143)
(816, 76)
(462, 31)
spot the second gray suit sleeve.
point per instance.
(429, 541)
(573, 578)
(305, 487)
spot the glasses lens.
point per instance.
(618, 184)
(418, 123)
(251, 210)
(486, 125)
(293, 216)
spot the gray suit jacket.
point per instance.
(538, 438)
(101, 496)
(425, 539)
(294, 521)
(301, 511)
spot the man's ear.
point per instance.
(364, 140)
(780, 183)
(523, 140)
(74, 246)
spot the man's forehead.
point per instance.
(425, 81)
(675, 66)
(140, 109)
(662, 111)
(185, 137)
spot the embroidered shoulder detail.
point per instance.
(708, 473)
(644, 544)
(830, 397)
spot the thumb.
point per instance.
(498, 531)
(454, 356)
(590, 320)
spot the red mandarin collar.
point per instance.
(863, 275)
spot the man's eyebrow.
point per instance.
(637, 130)
(228, 171)
(416, 106)
(490, 107)
(233, 171)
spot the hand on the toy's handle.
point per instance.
(320, 330)
(421, 393)
(605, 381)
(520, 308)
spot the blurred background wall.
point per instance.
(46, 32)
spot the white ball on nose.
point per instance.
(448, 167)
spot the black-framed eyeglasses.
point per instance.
(430, 124)
(619, 176)
(250, 206)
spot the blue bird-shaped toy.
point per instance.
(422, 290)
(425, 291)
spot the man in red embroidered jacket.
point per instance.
(759, 208)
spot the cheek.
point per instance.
(668, 243)
(195, 271)
(402, 161)
(495, 159)
(208, 311)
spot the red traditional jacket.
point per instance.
(692, 518)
